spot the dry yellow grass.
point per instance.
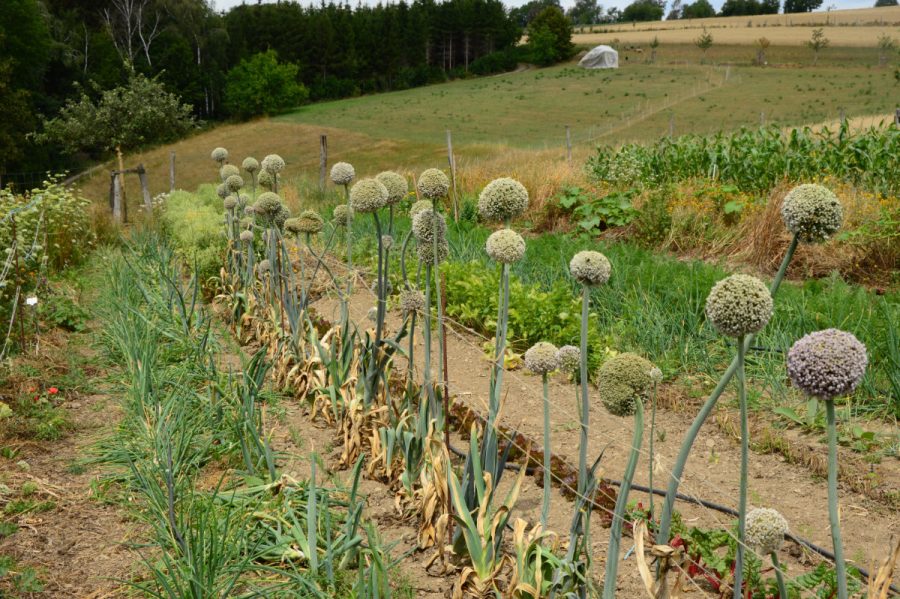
(853, 28)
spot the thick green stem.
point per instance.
(691, 436)
(779, 577)
(834, 517)
(380, 284)
(545, 507)
(618, 519)
(438, 299)
(585, 400)
(652, 455)
(489, 450)
(351, 274)
(745, 456)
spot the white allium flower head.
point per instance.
(426, 224)
(221, 191)
(387, 242)
(812, 212)
(433, 184)
(273, 163)
(368, 195)
(234, 183)
(310, 221)
(623, 381)
(281, 217)
(418, 206)
(541, 358)
(227, 170)
(342, 173)
(388, 288)
(502, 200)
(396, 184)
(220, 155)
(372, 314)
(425, 251)
(247, 236)
(229, 203)
(827, 364)
(739, 305)
(342, 215)
(765, 530)
(656, 375)
(268, 205)
(412, 300)
(266, 179)
(505, 246)
(590, 268)
(250, 164)
(569, 358)
(249, 210)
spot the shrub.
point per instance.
(194, 223)
(262, 85)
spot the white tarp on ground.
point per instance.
(601, 57)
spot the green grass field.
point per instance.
(636, 102)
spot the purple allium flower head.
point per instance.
(827, 364)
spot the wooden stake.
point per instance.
(323, 160)
(451, 159)
(121, 160)
(145, 191)
(117, 198)
(171, 172)
(568, 145)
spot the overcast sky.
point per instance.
(226, 4)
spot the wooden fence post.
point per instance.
(323, 160)
(568, 145)
(145, 190)
(171, 172)
(897, 117)
(762, 118)
(117, 198)
(671, 125)
(451, 159)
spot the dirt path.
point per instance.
(712, 473)
(76, 542)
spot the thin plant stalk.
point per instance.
(426, 333)
(707, 408)
(745, 456)
(618, 519)
(652, 438)
(490, 434)
(349, 238)
(834, 518)
(438, 296)
(585, 400)
(779, 577)
(545, 507)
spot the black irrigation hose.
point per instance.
(702, 503)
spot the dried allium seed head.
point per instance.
(368, 195)
(623, 381)
(827, 364)
(247, 236)
(418, 206)
(541, 358)
(569, 358)
(234, 183)
(396, 185)
(250, 164)
(227, 170)
(310, 222)
(229, 203)
(812, 212)
(433, 184)
(412, 300)
(502, 200)
(220, 155)
(505, 246)
(273, 163)
(765, 530)
(590, 268)
(342, 215)
(342, 173)
(739, 305)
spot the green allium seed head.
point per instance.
(234, 183)
(247, 236)
(372, 314)
(266, 179)
(249, 210)
(368, 195)
(283, 215)
(502, 200)
(623, 381)
(222, 191)
(412, 300)
(342, 215)
(765, 530)
(827, 364)
(227, 170)
(388, 289)
(250, 164)
(273, 163)
(220, 155)
(342, 173)
(656, 375)
(387, 242)
(590, 268)
(541, 358)
(229, 203)
(812, 212)
(311, 222)
(292, 226)
(426, 224)
(396, 185)
(505, 246)
(267, 206)
(418, 206)
(425, 251)
(739, 305)
(433, 184)
(569, 358)
(263, 266)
